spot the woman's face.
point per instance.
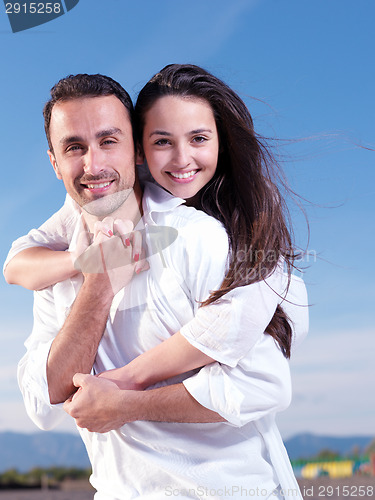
(181, 144)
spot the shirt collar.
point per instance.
(71, 203)
(156, 200)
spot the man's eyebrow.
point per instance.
(69, 139)
(103, 133)
(109, 131)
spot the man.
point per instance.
(82, 324)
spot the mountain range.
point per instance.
(48, 449)
(41, 449)
(309, 445)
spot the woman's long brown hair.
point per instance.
(243, 194)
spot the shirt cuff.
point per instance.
(214, 390)
(32, 379)
(259, 385)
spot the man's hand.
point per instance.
(97, 404)
(100, 406)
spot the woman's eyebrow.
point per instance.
(160, 132)
(165, 133)
(201, 130)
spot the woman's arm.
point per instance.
(38, 267)
(172, 357)
(223, 332)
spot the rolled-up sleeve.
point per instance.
(32, 374)
(226, 330)
(55, 234)
(258, 385)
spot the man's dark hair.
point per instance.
(83, 85)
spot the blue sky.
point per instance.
(309, 66)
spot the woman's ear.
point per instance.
(139, 156)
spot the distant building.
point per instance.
(334, 468)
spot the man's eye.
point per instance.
(73, 147)
(108, 141)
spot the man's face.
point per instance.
(92, 139)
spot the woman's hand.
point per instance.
(116, 251)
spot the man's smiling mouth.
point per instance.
(98, 185)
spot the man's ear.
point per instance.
(139, 156)
(53, 161)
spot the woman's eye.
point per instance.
(199, 139)
(161, 142)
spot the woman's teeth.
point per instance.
(183, 176)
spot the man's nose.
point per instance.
(93, 161)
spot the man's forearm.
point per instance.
(100, 406)
(74, 348)
(171, 403)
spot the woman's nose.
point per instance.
(181, 157)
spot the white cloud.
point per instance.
(14, 418)
(332, 377)
(7, 373)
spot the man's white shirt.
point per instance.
(247, 386)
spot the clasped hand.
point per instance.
(116, 250)
(98, 405)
